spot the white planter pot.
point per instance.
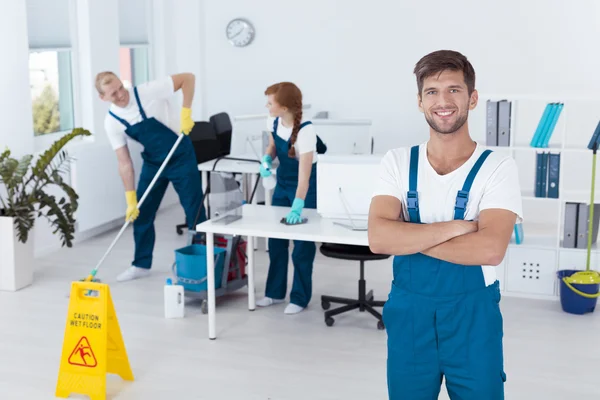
(16, 258)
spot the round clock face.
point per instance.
(240, 32)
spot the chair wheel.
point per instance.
(380, 325)
(179, 231)
(204, 307)
(325, 304)
(329, 321)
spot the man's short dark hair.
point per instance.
(441, 60)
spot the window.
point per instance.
(133, 65)
(134, 55)
(50, 77)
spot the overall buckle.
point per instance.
(412, 200)
(462, 199)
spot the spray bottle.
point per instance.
(270, 181)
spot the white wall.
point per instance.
(355, 58)
(15, 98)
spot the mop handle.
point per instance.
(164, 164)
(591, 220)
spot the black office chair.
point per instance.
(206, 147)
(365, 301)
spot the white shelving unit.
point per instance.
(529, 269)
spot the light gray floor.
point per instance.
(265, 354)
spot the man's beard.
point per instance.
(457, 125)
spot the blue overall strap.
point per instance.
(462, 197)
(321, 146)
(412, 197)
(275, 123)
(121, 120)
(137, 99)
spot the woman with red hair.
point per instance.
(294, 142)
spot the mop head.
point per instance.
(303, 221)
(583, 278)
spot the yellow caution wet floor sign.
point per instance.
(92, 345)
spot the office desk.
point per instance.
(248, 169)
(263, 221)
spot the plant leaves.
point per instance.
(7, 171)
(46, 158)
(25, 194)
(22, 167)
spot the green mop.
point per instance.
(588, 277)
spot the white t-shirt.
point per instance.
(305, 142)
(496, 185)
(154, 97)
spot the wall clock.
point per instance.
(240, 32)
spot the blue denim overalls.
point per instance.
(181, 171)
(442, 320)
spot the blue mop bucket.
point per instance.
(573, 302)
(190, 267)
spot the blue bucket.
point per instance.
(190, 267)
(572, 302)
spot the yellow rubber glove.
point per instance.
(132, 211)
(187, 123)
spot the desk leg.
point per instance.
(253, 179)
(204, 187)
(251, 296)
(268, 200)
(210, 273)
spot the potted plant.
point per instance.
(24, 197)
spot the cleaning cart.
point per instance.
(190, 266)
(579, 290)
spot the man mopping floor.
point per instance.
(143, 114)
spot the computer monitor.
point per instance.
(345, 185)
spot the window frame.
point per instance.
(149, 57)
(45, 140)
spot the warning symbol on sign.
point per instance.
(83, 355)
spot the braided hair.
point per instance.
(295, 130)
(289, 95)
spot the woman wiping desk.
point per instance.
(295, 143)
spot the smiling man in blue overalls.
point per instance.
(145, 115)
(446, 210)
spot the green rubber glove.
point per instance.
(265, 166)
(295, 214)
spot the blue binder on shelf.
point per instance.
(539, 130)
(538, 175)
(544, 175)
(547, 121)
(551, 125)
(553, 174)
